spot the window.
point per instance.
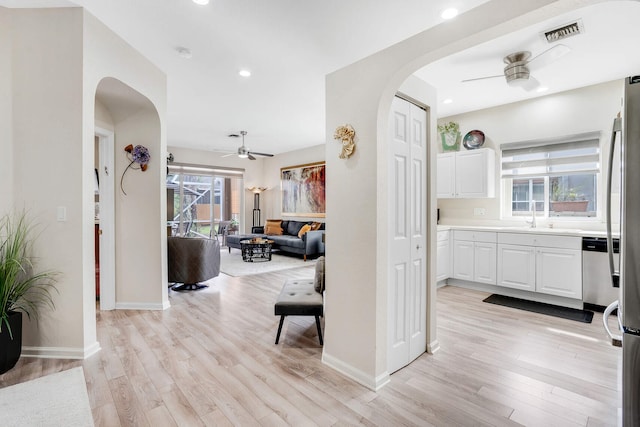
(198, 198)
(559, 175)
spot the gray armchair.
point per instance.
(192, 261)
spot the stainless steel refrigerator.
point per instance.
(626, 130)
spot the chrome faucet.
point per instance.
(533, 214)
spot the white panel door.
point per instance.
(418, 230)
(407, 240)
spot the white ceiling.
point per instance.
(290, 45)
(607, 50)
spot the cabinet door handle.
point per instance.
(418, 247)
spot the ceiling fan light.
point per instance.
(201, 2)
(449, 13)
(243, 155)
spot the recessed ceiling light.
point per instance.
(542, 89)
(447, 101)
(201, 2)
(245, 73)
(184, 52)
(449, 13)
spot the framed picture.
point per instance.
(303, 190)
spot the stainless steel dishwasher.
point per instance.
(597, 290)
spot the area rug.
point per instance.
(583, 316)
(58, 399)
(233, 265)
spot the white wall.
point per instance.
(57, 58)
(48, 163)
(6, 122)
(141, 273)
(577, 111)
(361, 94)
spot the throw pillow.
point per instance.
(318, 280)
(303, 230)
(272, 227)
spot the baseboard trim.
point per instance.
(61, 352)
(372, 383)
(433, 346)
(142, 306)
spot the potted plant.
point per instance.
(450, 136)
(22, 290)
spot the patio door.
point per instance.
(198, 198)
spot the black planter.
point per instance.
(10, 349)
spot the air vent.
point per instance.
(563, 32)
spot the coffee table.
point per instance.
(256, 250)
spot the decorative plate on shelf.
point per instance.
(473, 139)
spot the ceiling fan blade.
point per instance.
(262, 154)
(250, 156)
(550, 55)
(229, 154)
(482, 78)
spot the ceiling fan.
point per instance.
(517, 72)
(243, 152)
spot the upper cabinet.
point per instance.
(466, 174)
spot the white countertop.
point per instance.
(529, 230)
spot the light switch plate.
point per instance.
(479, 211)
(61, 213)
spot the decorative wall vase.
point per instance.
(346, 134)
(450, 141)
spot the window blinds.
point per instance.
(576, 154)
(177, 168)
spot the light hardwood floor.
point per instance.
(211, 360)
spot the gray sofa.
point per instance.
(310, 244)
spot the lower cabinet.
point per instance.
(443, 266)
(540, 263)
(559, 272)
(474, 256)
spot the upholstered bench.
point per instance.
(302, 297)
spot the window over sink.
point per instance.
(559, 175)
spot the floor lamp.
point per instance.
(256, 204)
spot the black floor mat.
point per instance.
(583, 316)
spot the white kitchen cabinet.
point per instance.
(474, 256)
(540, 263)
(446, 175)
(466, 174)
(517, 267)
(559, 272)
(443, 265)
(484, 263)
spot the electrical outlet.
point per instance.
(479, 211)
